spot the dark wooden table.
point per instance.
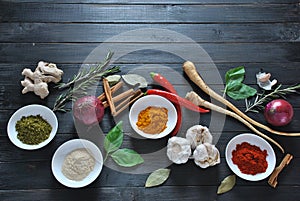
(261, 34)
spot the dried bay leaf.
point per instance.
(227, 184)
(113, 79)
(157, 177)
(135, 79)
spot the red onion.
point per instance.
(88, 110)
(279, 112)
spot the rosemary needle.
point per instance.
(263, 98)
(83, 80)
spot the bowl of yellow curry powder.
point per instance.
(32, 127)
(153, 116)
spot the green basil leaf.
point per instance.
(114, 139)
(235, 75)
(240, 91)
(157, 177)
(227, 184)
(127, 157)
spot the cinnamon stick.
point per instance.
(113, 89)
(133, 98)
(273, 178)
(108, 95)
(123, 95)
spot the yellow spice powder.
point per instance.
(153, 120)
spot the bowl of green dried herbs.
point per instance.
(32, 127)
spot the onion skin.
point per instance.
(279, 112)
(88, 110)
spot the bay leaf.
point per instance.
(127, 157)
(135, 79)
(157, 177)
(113, 79)
(227, 184)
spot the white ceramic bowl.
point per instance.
(64, 150)
(157, 101)
(253, 140)
(34, 109)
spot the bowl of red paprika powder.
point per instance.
(250, 157)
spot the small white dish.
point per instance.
(66, 148)
(253, 140)
(28, 110)
(156, 101)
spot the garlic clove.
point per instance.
(263, 80)
(206, 155)
(178, 150)
(197, 135)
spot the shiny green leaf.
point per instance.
(114, 139)
(227, 184)
(157, 177)
(234, 88)
(240, 91)
(127, 157)
(235, 75)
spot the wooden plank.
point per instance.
(147, 2)
(173, 72)
(36, 12)
(163, 193)
(38, 175)
(91, 33)
(160, 52)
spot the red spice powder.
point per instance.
(250, 159)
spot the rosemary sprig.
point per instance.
(87, 74)
(82, 81)
(263, 98)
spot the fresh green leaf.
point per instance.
(227, 184)
(114, 138)
(235, 89)
(235, 74)
(127, 157)
(157, 177)
(240, 91)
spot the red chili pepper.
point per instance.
(177, 99)
(163, 82)
(169, 87)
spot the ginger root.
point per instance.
(38, 80)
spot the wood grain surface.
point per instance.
(259, 35)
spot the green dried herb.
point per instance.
(227, 184)
(134, 79)
(84, 79)
(261, 99)
(33, 129)
(157, 177)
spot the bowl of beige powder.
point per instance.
(77, 163)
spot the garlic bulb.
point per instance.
(206, 155)
(197, 135)
(178, 150)
(263, 80)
